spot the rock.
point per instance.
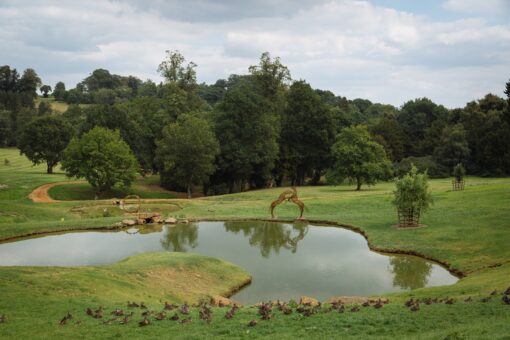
(141, 221)
(184, 221)
(170, 220)
(157, 218)
(128, 223)
(217, 300)
(305, 300)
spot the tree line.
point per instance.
(252, 130)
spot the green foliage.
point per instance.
(423, 164)
(271, 75)
(59, 92)
(358, 157)
(452, 147)
(459, 172)
(187, 150)
(308, 130)
(102, 158)
(45, 89)
(415, 117)
(174, 71)
(44, 108)
(392, 136)
(487, 126)
(44, 140)
(412, 192)
(247, 130)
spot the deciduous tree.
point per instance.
(102, 158)
(358, 157)
(188, 150)
(44, 140)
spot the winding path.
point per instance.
(40, 194)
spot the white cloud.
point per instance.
(351, 47)
(478, 6)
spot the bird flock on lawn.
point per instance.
(414, 304)
(266, 310)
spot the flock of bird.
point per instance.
(266, 310)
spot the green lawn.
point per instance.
(142, 187)
(468, 230)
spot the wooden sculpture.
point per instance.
(291, 196)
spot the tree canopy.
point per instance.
(187, 151)
(358, 157)
(44, 140)
(102, 158)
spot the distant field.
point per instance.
(58, 107)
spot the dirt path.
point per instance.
(40, 194)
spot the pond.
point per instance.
(285, 260)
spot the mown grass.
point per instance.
(469, 230)
(142, 187)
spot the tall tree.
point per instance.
(271, 74)
(308, 131)
(44, 140)
(188, 150)
(102, 158)
(415, 117)
(247, 130)
(45, 89)
(388, 128)
(358, 157)
(453, 147)
(175, 72)
(59, 92)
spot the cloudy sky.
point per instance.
(389, 51)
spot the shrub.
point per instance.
(412, 196)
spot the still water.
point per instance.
(285, 260)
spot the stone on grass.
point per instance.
(305, 300)
(170, 220)
(128, 223)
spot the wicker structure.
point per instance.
(458, 185)
(408, 217)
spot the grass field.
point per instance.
(467, 230)
(57, 106)
(142, 187)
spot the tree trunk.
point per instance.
(189, 191)
(358, 184)
(49, 168)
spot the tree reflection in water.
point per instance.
(270, 236)
(409, 272)
(179, 237)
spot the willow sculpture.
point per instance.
(291, 196)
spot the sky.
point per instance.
(388, 51)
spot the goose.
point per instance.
(160, 316)
(252, 323)
(144, 322)
(174, 317)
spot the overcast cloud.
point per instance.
(452, 52)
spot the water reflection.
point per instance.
(270, 236)
(180, 237)
(285, 260)
(409, 272)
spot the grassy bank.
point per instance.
(468, 230)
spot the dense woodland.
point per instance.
(257, 129)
